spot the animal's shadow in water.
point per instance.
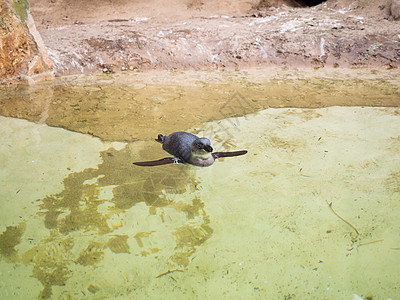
(82, 208)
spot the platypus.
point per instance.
(188, 149)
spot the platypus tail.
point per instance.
(160, 138)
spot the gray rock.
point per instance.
(395, 9)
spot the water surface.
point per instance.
(311, 212)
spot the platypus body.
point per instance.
(188, 149)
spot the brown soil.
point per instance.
(12, 38)
(23, 55)
(123, 35)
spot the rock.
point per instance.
(395, 9)
(35, 66)
(14, 43)
(22, 52)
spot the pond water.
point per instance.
(310, 212)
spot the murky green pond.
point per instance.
(311, 212)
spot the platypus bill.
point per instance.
(187, 148)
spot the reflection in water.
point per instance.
(121, 108)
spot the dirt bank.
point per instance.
(116, 36)
(22, 52)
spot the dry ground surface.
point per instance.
(122, 35)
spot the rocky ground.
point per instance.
(119, 36)
(23, 55)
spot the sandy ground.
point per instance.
(124, 36)
(90, 224)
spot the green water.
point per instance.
(311, 212)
